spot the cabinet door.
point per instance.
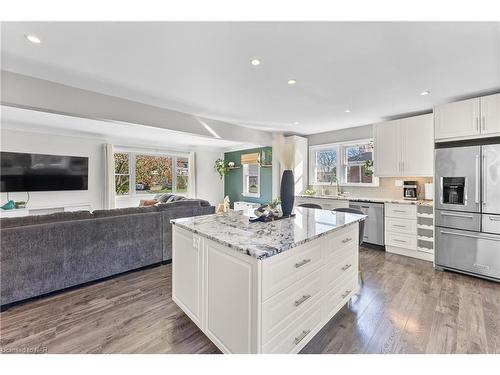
(387, 141)
(231, 299)
(186, 273)
(490, 114)
(459, 119)
(418, 145)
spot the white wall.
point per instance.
(208, 184)
(20, 141)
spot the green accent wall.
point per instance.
(233, 181)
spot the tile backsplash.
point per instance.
(387, 188)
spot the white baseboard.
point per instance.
(410, 253)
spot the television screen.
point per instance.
(37, 172)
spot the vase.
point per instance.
(287, 192)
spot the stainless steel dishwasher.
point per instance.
(374, 223)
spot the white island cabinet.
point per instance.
(264, 287)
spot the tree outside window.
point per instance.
(153, 174)
(150, 174)
(122, 174)
(326, 165)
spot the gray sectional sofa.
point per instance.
(43, 254)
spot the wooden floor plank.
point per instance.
(404, 306)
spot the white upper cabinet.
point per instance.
(404, 147)
(387, 142)
(418, 145)
(472, 118)
(458, 119)
(490, 114)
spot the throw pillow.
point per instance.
(148, 202)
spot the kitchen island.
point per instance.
(264, 287)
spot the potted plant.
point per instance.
(221, 167)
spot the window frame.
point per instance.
(245, 191)
(341, 163)
(132, 170)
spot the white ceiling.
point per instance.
(123, 134)
(375, 69)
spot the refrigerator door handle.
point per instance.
(477, 180)
(485, 182)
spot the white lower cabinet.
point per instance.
(401, 232)
(187, 279)
(274, 305)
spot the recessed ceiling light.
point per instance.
(292, 82)
(33, 38)
(426, 92)
(347, 110)
(255, 62)
(296, 123)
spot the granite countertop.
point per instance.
(420, 202)
(263, 240)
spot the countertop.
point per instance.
(367, 199)
(263, 240)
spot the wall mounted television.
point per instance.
(21, 172)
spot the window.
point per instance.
(326, 165)
(150, 174)
(122, 175)
(153, 174)
(349, 163)
(182, 173)
(251, 180)
(358, 163)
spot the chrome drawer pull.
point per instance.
(402, 211)
(399, 226)
(347, 240)
(301, 336)
(346, 267)
(493, 218)
(482, 237)
(345, 294)
(301, 263)
(302, 299)
(396, 240)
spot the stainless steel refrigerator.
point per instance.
(467, 209)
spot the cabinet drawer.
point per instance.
(340, 240)
(334, 271)
(458, 220)
(406, 241)
(341, 254)
(339, 295)
(403, 211)
(284, 307)
(294, 336)
(401, 225)
(280, 271)
(491, 223)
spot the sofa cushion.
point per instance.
(124, 211)
(179, 203)
(13, 222)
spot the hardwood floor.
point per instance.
(405, 306)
